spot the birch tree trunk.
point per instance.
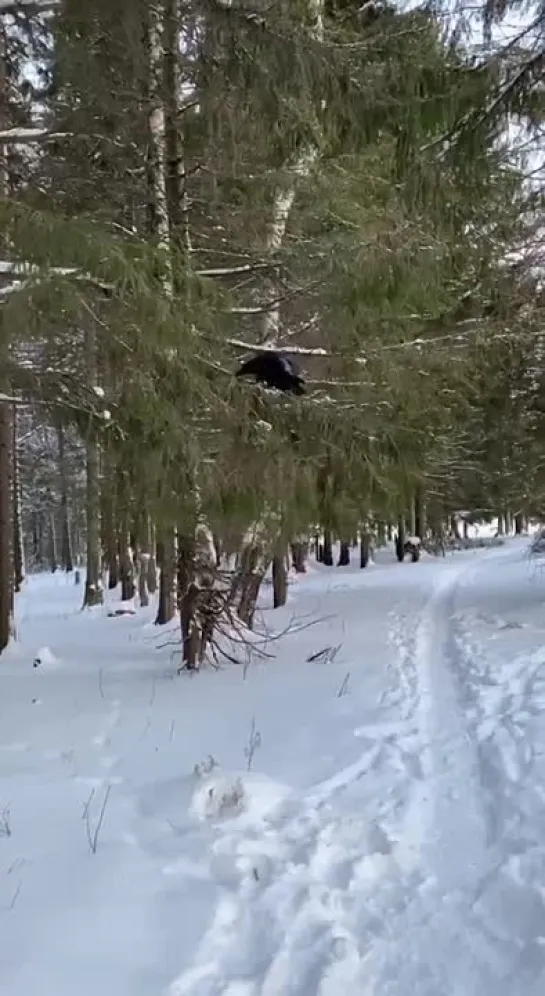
(151, 572)
(284, 199)
(18, 549)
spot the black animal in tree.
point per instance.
(274, 370)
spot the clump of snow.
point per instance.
(218, 797)
(45, 658)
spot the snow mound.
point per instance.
(226, 795)
(45, 659)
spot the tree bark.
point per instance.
(344, 554)
(6, 438)
(152, 562)
(6, 528)
(412, 516)
(420, 514)
(365, 548)
(299, 552)
(66, 544)
(126, 566)
(400, 541)
(52, 544)
(94, 594)
(253, 568)
(327, 557)
(18, 548)
(280, 580)
(166, 548)
(189, 598)
(109, 536)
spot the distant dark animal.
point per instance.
(274, 370)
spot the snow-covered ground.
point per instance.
(367, 823)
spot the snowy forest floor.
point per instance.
(388, 839)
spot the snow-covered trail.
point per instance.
(389, 839)
(437, 887)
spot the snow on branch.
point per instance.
(230, 271)
(473, 327)
(28, 6)
(24, 274)
(27, 135)
(299, 350)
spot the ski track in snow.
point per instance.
(437, 895)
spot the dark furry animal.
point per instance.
(273, 370)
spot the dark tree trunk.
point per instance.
(52, 545)
(327, 557)
(280, 581)
(344, 554)
(126, 567)
(166, 551)
(365, 548)
(66, 544)
(93, 585)
(454, 528)
(420, 514)
(519, 523)
(188, 595)
(254, 564)
(94, 594)
(400, 541)
(299, 556)
(6, 526)
(143, 591)
(109, 532)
